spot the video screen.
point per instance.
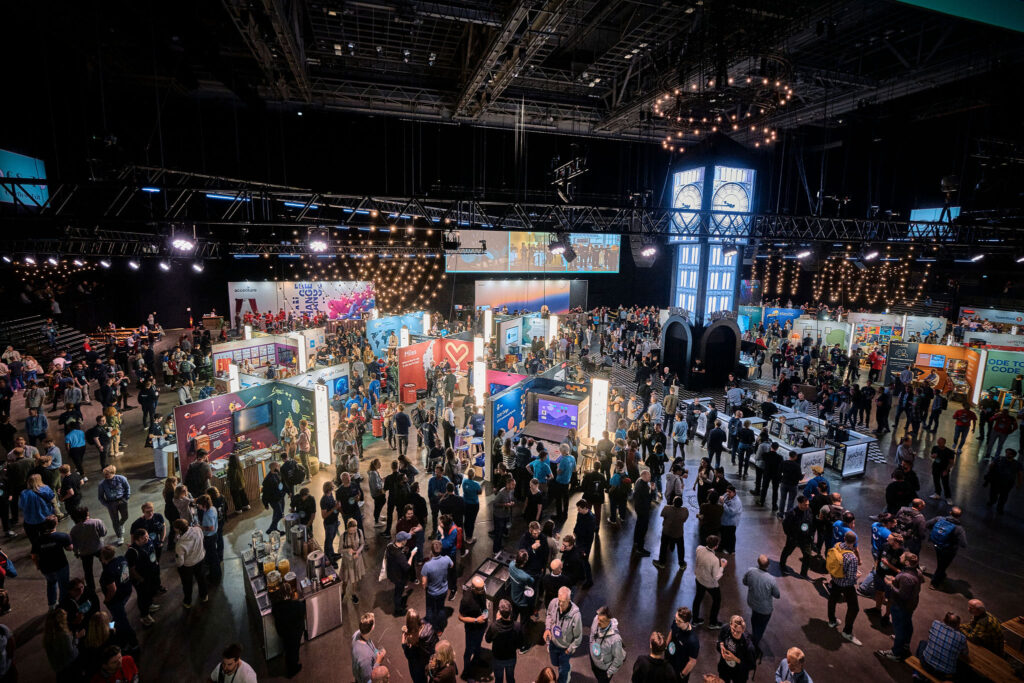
(253, 417)
(527, 252)
(338, 385)
(557, 414)
(495, 388)
(937, 361)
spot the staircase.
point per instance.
(26, 335)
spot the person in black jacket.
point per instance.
(398, 567)
(654, 668)
(643, 498)
(272, 495)
(789, 475)
(771, 475)
(799, 527)
(716, 441)
(290, 620)
(505, 636)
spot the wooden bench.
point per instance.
(1013, 652)
(989, 665)
(915, 664)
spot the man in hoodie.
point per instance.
(732, 510)
(505, 637)
(563, 632)
(188, 556)
(606, 651)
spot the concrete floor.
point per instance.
(186, 645)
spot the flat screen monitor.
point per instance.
(557, 414)
(937, 361)
(253, 417)
(338, 385)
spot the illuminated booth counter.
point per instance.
(835, 449)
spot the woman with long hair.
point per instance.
(304, 445)
(289, 436)
(353, 566)
(236, 484)
(59, 644)
(419, 642)
(442, 667)
(184, 504)
(98, 635)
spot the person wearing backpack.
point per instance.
(199, 475)
(290, 476)
(911, 523)
(843, 566)
(947, 534)
(1003, 474)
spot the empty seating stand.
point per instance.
(26, 335)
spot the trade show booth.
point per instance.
(253, 356)
(818, 442)
(417, 360)
(379, 330)
(949, 369)
(249, 423)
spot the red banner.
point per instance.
(458, 353)
(412, 364)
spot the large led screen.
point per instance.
(524, 295)
(557, 414)
(527, 252)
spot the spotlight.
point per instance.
(30, 260)
(729, 250)
(803, 254)
(7, 259)
(79, 262)
(871, 255)
(977, 257)
(649, 251)
(1020, 260)
(318, 245)
(105, 263)
(183, 244)
(52, 261)
(134, 265)
(556, 246)
(197, 266)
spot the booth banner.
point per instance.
(458, 353)
(901, 356)
(256, 353)
(993, 315)
(924, 325)
(994, 338)
(753, 314)
(413, 362)
(379, 329)
(524, 295)
(1001, 367)
(509, 410)
(533, 327)
(498, 381)
(875, 328)
(781, 316)
(335, 377)
(209, 424)
(339, 299)
(973, 363)
(509, 334)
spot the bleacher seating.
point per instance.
(26, 335)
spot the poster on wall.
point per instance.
(534, 327)
(923, 326)
(870, 329)
(523, 295)
(1001, 367)
(509, 411)
(458, 353)
(902, 355)
(413, 362)
(379, 329)
(774, 314)
(339, 299)
(753, 314)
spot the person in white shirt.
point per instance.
(231, 668)
(188, 556)
(708, 570)
(185, 392)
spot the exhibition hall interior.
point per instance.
(537, 340)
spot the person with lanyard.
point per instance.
(562, 480)
(471, 490)
(563, 632)
(473, 615)
(683, 644)
(365, 655)
(232, 669)
(791, 668)
(156, 526)
(116, 587)
(606, 652)
(145, 573)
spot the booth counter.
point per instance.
(849, 457)
(704, 404)
(786, 428)
(315, 581)
(255, 466)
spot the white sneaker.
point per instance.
(935, 496)
(119, 541)
(949, 501)
(852, 638)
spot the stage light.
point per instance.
(29, 260)
(198, 267)
(649, 251)
(183, 244)
(976, 258)
(729, 250)
(7, 259)
(803, 254)
(556, 248)
(79, 262)
(871, 255)
(52, 261)
(318, 245)
(165, 266)
(1020, 260)
(105, 263)
(134, 265)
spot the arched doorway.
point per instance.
(677, 347)
(719, 351)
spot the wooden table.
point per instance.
(1015, 627)
(989, 665)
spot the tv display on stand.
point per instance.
(253, 417)
(557, 414)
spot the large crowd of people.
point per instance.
(544, 518)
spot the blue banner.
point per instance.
(379, 329)
(14, 165)
(780, 315)
(509, 410)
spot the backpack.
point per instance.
(834, 561)
(942, 533)
(905, 522)
(458, 538)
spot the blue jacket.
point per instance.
(449, 542)
(436, 487)
(114, 489)
(36, 506)
(811, 487)
(36, 424)
(733, 510)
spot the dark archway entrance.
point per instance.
(719, 351)
(677, 347)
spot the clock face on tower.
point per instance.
(730, 197)
(688, 197)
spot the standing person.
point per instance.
(501, 514)
(716, 439)
(1003, 475)
(435, 582)
(87, 537)
(272, 495)
(799, 528)
(904, 593)
(114, 492)
(506, 637)
(842, 564)
(145, 573)
(232, 669)
(155, 525)
(791, 668)
(116, 584)
(394, 486)
(737, 654)
(473, 615)
(963, 420)
(75, 441)
(563, 632)
(304, 445)
(188, 557)
(377, 485)
(732, 509)
(236, 484)
(585, 530)
(653, 667)
(761, 590)
(99, 437)
(560, 484)
(418, 643)
(643, 499)
(790, 475)
(353, 564)
(942, 463)
(606, 652)
(48, 553)
(771, 465)
(289, 615)
(199, 475)
(37, 504)
(471, 490)
(683, 645)
(209, 524)
(1001, 425)
(398, 564)
(707, 571)
(329, 515)
(947, 534)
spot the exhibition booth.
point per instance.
(418, 358)
(949, 369)
(337, 299)
(248, 422)
(285, 353)
(817, 442)
(403, 326)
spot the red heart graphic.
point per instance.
(450, 350)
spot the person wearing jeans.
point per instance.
(188, 556)
(114, 492)
(52, 561)
(845, 589)
(904, 592)
(87, 536)
(707, 572)
(563, 632)
(761, 591)
(505, 636)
